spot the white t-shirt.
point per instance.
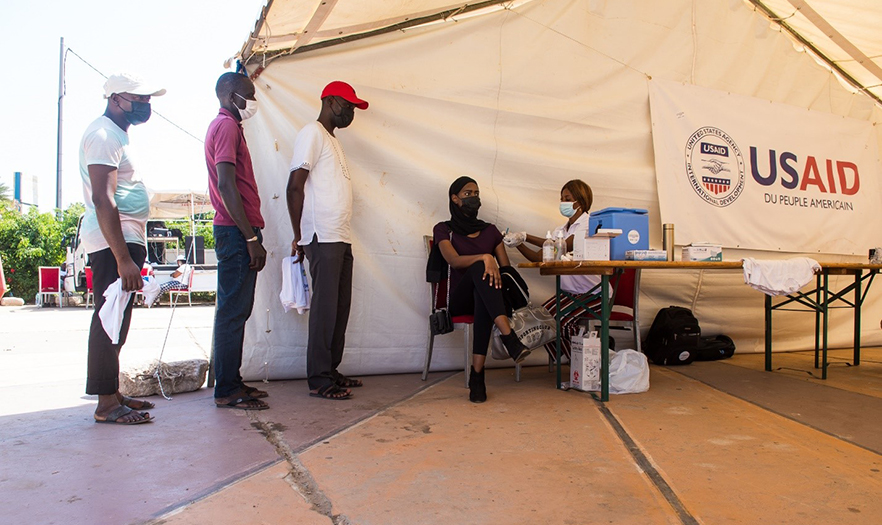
(327, 203)
(576, 283)
(185, 270)
(104, 143)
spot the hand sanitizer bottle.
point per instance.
(560, 246)
(548, 248)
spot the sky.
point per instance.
(178, 45)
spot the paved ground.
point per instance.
(709, 443)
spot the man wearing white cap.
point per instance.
(114, 234)
(319, 198)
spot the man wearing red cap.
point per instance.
(319, 198)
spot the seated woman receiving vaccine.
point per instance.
(473, 249)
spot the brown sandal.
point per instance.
(332, 391)
(121, 411)
(243, 402)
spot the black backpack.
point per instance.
(714, 347)
(673, 337)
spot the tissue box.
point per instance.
(646, 255)
(594, 247)
(702, 253)
(585, 362)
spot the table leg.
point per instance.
(857, 317)
(604, 337)
(557, 319)
(826, 322)
(768, 333)
(817, 320)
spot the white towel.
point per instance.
(151, 290)
(779, 277)
(111, 314)
(295, 287)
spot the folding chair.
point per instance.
(90, 298)
(50, 283)
(171, 293)
(438, 296)
(624, 311)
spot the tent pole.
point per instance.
(60, 113)
(774, 17)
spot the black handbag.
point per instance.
(440, 322)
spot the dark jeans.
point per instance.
(330, 265)
(103, 361)
(475, 295)
(235, 300)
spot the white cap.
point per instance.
(181, 257)
(126, 83)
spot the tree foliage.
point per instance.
(28, 241)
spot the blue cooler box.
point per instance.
(634, 224)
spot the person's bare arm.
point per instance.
(491, 267)
(501, 255)
(535, 241)
(103, 180)
(229, 192)
(531, 254)
(294, 194)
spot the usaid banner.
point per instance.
(753, 174)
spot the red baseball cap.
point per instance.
(344, 90)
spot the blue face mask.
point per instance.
(567, 209)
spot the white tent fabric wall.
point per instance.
(522, 100)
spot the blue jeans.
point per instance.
(235, 300)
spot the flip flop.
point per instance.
(253, 392)
(243, 402)
(347, 382)
(144, 404)
(330, 391)
(120, 411)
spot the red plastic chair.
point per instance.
(624, 312)
(90, 299)
(438, 296)
(50, 283)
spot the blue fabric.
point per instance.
(235, 300)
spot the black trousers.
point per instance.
(103, 361)
(473, 295)
(330, 265)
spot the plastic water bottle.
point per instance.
(548, 248)
(560, 246)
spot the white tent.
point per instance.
(178, 204)
(524, 96)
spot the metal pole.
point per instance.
(60, 113)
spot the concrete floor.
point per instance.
(720, 442)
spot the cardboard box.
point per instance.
(646, 255)
(594, 247)
(585, 362)
(634, 224)
(702, 253)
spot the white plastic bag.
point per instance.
(628, 372)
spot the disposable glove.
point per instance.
(514, 239)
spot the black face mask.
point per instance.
(470, 206)
(344, 118)
(139, 114)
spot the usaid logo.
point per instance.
(714, 166)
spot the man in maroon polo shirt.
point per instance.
(237, 225)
